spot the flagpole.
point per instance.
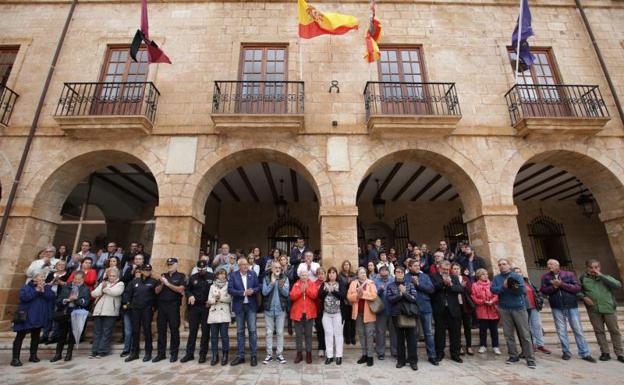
(300, 59)
(517, 72)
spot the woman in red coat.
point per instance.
(90, 278)
(487, 314)
(303, 311)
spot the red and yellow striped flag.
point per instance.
(372, 36)
(313, 22)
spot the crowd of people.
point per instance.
(416, 295)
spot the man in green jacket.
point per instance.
(600, 302)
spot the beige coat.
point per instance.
(107, 300)
(219, 311)
(370, 294)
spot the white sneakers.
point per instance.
(482, 349)
(321, 353)
(497, 351)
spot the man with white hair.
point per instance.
(43, 265)
(562, 287)
(309, 265)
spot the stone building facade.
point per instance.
(333, 145)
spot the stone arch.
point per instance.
(462, 174)
(48, 192)
(211, 172)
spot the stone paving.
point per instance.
(477, 370)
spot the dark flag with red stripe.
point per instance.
(154, 53)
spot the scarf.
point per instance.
(220, 283)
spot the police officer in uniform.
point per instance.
(170, 291)
(139, 299)
(197, 290)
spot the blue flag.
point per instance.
(526, 59)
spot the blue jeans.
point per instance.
(535, 324)
(215, 330)
(249, 317)
(425, 322)
(572, 317)
(274, 323)
(127, 324)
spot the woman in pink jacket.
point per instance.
(487, 314)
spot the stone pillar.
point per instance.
(614, 225)
(24, 238)
(495, 234)
(176, 235)
(338, 235)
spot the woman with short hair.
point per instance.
(33, 313)
(303, 311)
(361, 292)
(107, 297)
(219, 301)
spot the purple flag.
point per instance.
(526, 59)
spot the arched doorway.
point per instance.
(415, 195)
(259, 198)
(565, 199)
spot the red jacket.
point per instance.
(90, 278)
(481, 293)
(303, 302)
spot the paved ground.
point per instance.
(477, 370)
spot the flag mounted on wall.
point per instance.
(372, 36)
(526, 31)
(313, 23)
(154, 53)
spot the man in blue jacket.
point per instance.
(243, 286)
(384, 319)
(424, 287)
(561, 287)
(509, 287)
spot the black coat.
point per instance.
(477, 263)
(341, 294)
(83, 301)
(444, 296)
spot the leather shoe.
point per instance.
(202, 359)
(131, 357)
(254, 361)
(174, 357)
(147, 357)
(124, 354)
(308, 357)
(589, 359)
(362, 360)
(605, 357)
(620, 358)
(414, 366)
(434, 362)
(224, 360)
(237, 361)
(186, 358)
(399, 365)
(214, 360)
(33, 358)
(57, 357)
(369, 361)
(298, 358)
(457, 359)
(339, 360)
(16, 362)
(159, 357)
(328, 361)
(566, 356)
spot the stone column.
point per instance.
(177, 234)
(494, 233)
(338, 235)
(24, 238)
(614, 224)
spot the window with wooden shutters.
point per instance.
(542, 94)
(122, 82)
(402, 76)
(263, 75)
(7, 59)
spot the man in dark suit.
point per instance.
(297, 252)
(446, 311)
(471, 262)
(243, 285)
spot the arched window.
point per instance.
(548, 241)
(284, 233)
(454, 232)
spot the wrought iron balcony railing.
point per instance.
(257, 97)
(7, 102)
(406, 98)
(100, 98)
(554, 100)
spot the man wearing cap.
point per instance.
(170, 291)
(197, 289)
(139, 298)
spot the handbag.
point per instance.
(376, 305)
(60, 315)
(20, 316)
(406, 322)
(409, 309)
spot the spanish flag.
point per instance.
(372, 37)
(313, 22)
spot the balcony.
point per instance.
(404, 107)
(561, 109)
(87, 110)
(257, 105)
(7, 103)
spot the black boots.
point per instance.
(369, 361)
(362, 360)
(215, 359)
(224, 360)
(59, 353)
(202, 358)
(70, 350)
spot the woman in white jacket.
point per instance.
(219, 316)
(105, 312)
